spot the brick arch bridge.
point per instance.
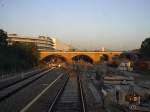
(95, 56)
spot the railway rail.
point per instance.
(44, 99)
(14, 86)
(4, 83)
(70, 98)
(23, 95)
(64, 92)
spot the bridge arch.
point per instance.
(82, 57)
(54, 58)
(104, 57)
(115, 57)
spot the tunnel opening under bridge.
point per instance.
(82, 59)
(57, 59)
(104, 57)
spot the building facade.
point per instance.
(42, 42)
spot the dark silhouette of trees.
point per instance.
(145, 48)
(3, 39)
(26, 54)
(3, 48)
(18, 56)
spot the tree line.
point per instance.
(145, 48)
(17, 56)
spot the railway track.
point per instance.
(16, 85)
(25, 94)
(70, 98)
(63, 93)
(45, 99)
(4, 83)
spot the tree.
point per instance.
(3, 39)
(27, 54)
(18, 56)
(145, 48)
(3, 49)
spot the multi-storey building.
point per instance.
(42, 42)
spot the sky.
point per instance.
(85, 24)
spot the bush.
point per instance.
(140, 65)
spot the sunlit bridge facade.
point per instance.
(78, 56)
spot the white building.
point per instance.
(42, 42)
